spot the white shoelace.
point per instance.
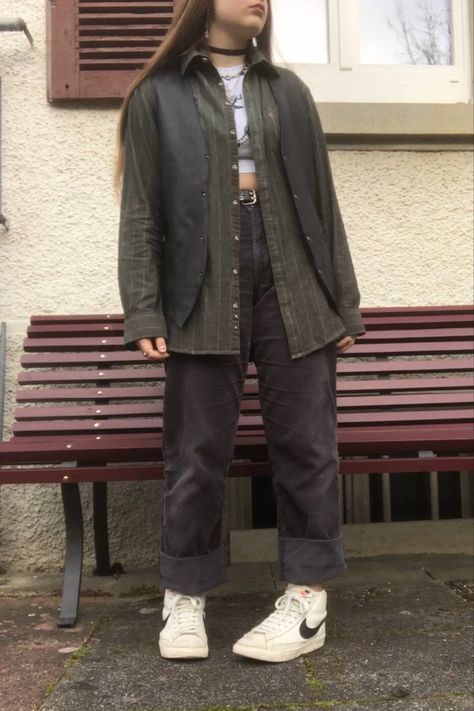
(289, 608)
(185, 608)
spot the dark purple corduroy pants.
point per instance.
(201, 411)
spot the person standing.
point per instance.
(232, 248)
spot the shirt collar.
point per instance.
(256, 56)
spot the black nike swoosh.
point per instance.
(308, 632)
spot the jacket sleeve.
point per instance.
(347, 291)
(141, 224)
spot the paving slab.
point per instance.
(245, 577)
(122, 669)
(404, 569)
(396, 641)
(33, 650)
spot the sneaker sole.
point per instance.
(273, 655)
(183, 652)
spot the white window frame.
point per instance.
(345, 79)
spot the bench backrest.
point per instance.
(412, 365)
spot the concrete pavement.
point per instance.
(399, 637)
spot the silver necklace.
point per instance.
(232, 98)
(241, 71)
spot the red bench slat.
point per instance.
(344, 387)
(373, 324)
(107, 448)
(363, 402)
(393, 337)
(246, 422)
(147, 372)
(155, 471)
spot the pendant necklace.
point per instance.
(232, 98)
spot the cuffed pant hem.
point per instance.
(307, 561)
(192, 575)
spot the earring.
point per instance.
(254, 41)
(206, 26)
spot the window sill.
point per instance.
(398, 126)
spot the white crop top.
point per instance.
(235, 87)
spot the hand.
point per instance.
(345, 343)
(153, 348)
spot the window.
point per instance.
(301, 41)
(377, 50)
(401, 32)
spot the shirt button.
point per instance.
(284, 157)
(236, 237)
(295, 196)
(308, 238)
(320, 271)
(236, 328)
(236, 315)
(206, 155)
(203, 193)
(234, 306)
(235, 202)
(232, 132)
(204, 59)
(220, 82)
(202, 237)
(235, 271)
(234, 166)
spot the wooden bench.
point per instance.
(90, 411)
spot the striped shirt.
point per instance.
(309, 320)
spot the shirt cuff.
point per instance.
(143, 325)
(353, 322)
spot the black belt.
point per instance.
(248, 197)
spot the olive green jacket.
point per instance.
(147, 239)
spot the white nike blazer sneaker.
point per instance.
(184, 635)
(297, 626)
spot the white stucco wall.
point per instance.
(408, 216)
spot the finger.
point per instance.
(156, 355)
(161, 345)
(344, 344)
(145, 344)
(149, 349)
(346, 340)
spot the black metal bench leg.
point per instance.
(74, 548)
(101, 531)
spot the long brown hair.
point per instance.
(186, 29)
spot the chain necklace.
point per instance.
(232, 76)
(232, 98)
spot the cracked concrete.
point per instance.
(399, 637)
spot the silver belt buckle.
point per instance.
(254, 197)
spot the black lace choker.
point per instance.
(224, 50)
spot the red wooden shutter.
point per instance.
(95, 47)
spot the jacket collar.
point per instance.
(255, 56)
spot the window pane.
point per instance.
(300, 31)
(405, 32)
